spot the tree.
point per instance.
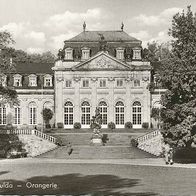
(47, 116)
(178, 75)
(8, 95)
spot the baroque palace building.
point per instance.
(101, 69)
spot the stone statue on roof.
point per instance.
(102, 42)
(60, 54)
(122, 26)
(84, 26)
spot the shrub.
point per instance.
(145, 125)
(105, 138)
(59, 142)
(47, 114)
(60, 125)
(134, 142)
(111, 125)
(128, 125)
(48, 126)
(77, 125)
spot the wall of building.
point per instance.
(128, 94)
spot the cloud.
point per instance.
(38, 37)
(161, 37)
(16, 29)
(154, 20)
(74, 20)
(35, 50)
(57, 41)
(142, 35)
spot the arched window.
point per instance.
(120, 116)
(85, 113)
(2, 115)
(137, 113)
(68, 113)
(103, 111)
(32, 113)
(17, 115)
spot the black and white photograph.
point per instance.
(98, 97)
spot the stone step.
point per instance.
(97, 152)
(111, 139)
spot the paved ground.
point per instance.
(137, 177)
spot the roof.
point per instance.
(95, 36)
(28, 68)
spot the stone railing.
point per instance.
(148, 136)
(31, 132)
(151, 142)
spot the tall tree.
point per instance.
(8, 95)
(178, 75)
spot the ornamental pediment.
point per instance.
(102, 61)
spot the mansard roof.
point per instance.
(30, 68)
(109, 36)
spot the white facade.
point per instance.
(99, 68)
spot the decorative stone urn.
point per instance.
(95, 125)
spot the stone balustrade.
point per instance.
(31, 132)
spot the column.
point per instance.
(128, 101)
(59, 97)
(77, 111)
(111, 109)
(94, 95)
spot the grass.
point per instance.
(105, 130)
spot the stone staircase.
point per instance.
(35, 142)
(97, 152)
(116, 146)
(151, 142)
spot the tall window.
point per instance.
(17, 115)
(85, 83)
(136, 83)
(2, 115)
(103, 112)
(68, 84)
(85, 113)
(32, 114)
(120, 113)
(137, 113)
(119, 82)
(68, 113)
(102, 83)
(68, 53)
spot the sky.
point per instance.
(42, 25)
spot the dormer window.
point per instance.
(120, 53)
(68, 54)
(3, 80)
(47, 80)
(32, 80)
(17, 80)
(137, 53)
(85, 53)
